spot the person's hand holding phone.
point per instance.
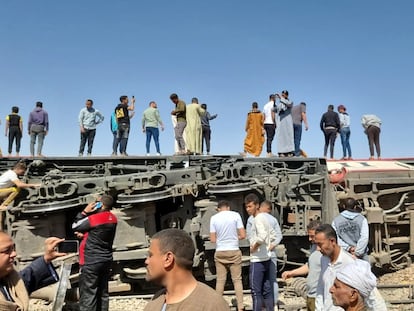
(51, 250)
(92, 207)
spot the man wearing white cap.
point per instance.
(334, 259)
(353, 285)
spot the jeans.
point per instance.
(14, 134)
(261, 285)
(122, 136)
(273, 279)
(87, 136)
(152, 132)
(115, 142)
(37, 131)
(297, 136)
(93, 287)
(206, 135)
(345, 134)
(270, 134)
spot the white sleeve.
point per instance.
(375, 302)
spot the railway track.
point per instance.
(399, 297)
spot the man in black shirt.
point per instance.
(330, 126)
(122, 118)
(14, 129)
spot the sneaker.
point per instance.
(89, 154)
(148, 154)
(124, 154)
(158, 154)
(80, 155)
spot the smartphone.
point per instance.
(68, 246)
(98, 205)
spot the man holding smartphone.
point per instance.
(96, 226)
(15, 286)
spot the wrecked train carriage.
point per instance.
(385, 191)
(153, 193)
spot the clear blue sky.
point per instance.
(227, 53)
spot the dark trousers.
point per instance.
(14, 134)
(93, 287)
(261, 285)
(330, 137)
(152, 132)
(206, 138)
(373, 133)
(87, 136)
(122, 136)
(297, 136)
(270, 134)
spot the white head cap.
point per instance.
(359, 276)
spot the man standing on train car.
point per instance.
(124, 113)
(96, 225)
(89, 118)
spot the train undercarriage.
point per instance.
(153, 193)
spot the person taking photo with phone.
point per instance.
(15, 287)
(96, 227)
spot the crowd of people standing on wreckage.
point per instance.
(339, 275)
(280, 119)
(191, 127)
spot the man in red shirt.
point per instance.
(96, 225)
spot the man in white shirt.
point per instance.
(260, 264)
(353, 284)
(269, 123)
(226, 229)
(266, 208)
(333, 259)
(10, 184)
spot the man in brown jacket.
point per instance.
(169, 263)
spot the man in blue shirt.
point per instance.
(89, 118)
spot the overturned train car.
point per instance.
(153, 193)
